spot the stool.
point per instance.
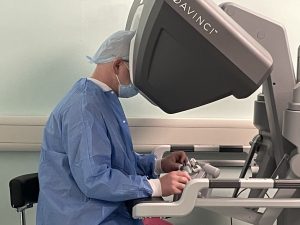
(24, 192)
(155, 221)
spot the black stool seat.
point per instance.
(24, 190)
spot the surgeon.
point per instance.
(88, 169)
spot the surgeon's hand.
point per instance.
(174, 182)
(173, 161)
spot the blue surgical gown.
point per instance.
(88, 168)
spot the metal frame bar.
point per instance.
(161, 150)
(22, 210)
(189, 198)
(248, 202)
(23, 217)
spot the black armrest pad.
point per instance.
(130, 204)
(24, 189)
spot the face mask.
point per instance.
(128, 90)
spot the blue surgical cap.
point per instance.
(115, 46)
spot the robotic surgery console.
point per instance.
(188, 53)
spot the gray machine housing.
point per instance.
(190, 53)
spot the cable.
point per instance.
(298, 66)
(241, 192)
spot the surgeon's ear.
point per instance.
(116, 65)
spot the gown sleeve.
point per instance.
(146, 165)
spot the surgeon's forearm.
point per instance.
(111, 184)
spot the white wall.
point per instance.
(44, 43)
(43, 47)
